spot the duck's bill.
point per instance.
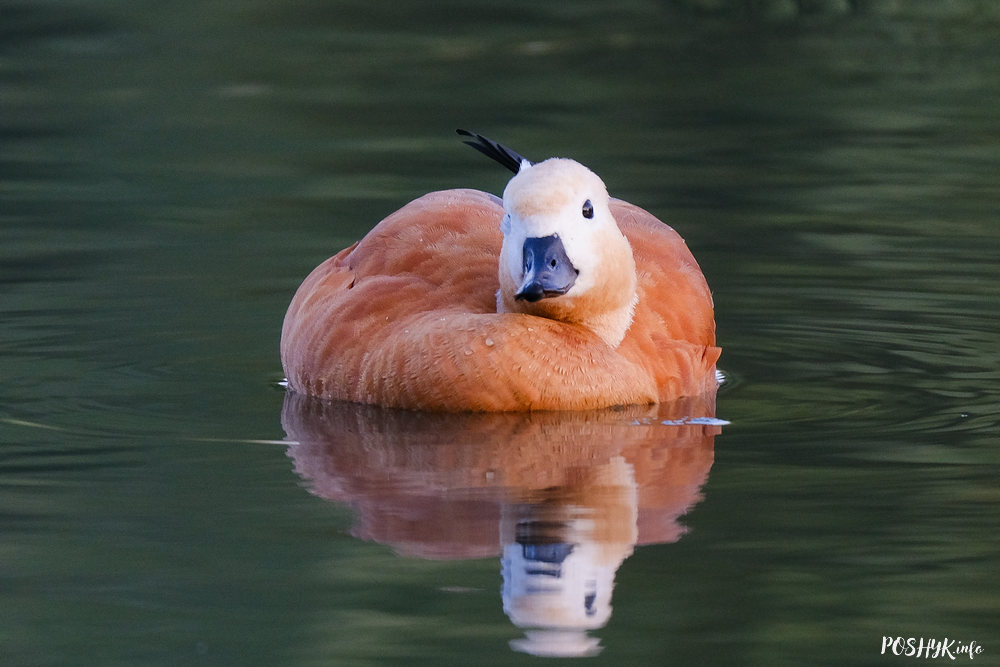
(548, 271)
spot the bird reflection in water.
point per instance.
(560, 555)
(562, 497)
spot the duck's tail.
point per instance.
(491, 149)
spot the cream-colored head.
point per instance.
(563, 256)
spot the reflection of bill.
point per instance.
(568, 494)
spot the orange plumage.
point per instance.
(407, 317)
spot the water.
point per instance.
(168, 175)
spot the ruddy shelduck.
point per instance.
(558, 297)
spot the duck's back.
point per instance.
(407, 318)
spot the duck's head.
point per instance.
(563, 256)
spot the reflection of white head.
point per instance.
(559, 563)
(560, 557)
(560, 590)
(557, 585)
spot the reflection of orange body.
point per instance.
(562, 497)
(408, 317)
(434, 485)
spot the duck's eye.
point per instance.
(588, 210)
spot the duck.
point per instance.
(555, 296)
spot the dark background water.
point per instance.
(170, 172)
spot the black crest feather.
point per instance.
(491, 149)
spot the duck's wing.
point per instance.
(673, 332)
(491, 149)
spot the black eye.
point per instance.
(588, 210)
